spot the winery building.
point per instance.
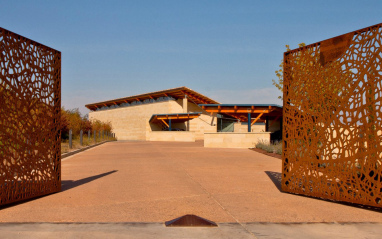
(182, 114)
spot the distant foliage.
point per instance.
(72, 119)
(279, 73)
(64, 124)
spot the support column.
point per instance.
(169, 124)
(249, 122)
(185, 104)
(185, 110)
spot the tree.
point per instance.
(64, 124)
(73, 120)
(279, 73)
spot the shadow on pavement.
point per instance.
(69, 184)
(65, 185)
(276, 178)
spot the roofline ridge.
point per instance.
(175, 91)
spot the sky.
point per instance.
(226, 50)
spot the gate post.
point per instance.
(81, 140)
(70, 139)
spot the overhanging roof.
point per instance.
(243, 105)
(240, 111)
(176, 93)
(176, 118)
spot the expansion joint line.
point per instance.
(220, 205)
(211, 196)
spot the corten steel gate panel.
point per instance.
(332, 145)
(30, 111)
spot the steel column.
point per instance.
(249, 122)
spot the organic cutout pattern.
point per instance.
(30, 111)
(332, 146)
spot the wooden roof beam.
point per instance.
(165, 123)
(257, 118)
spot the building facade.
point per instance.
(130, 116)
(181, 114)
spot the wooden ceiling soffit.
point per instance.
(237, 111)
(199, 100)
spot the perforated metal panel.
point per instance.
(30, 108)
(332, 126)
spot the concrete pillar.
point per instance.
(185, 104)
(185, 110)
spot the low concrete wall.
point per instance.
(235, 140)
(179, 136)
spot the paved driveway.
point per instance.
(158, 181)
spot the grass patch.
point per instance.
(270, 148)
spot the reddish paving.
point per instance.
(158, 181)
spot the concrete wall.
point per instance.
(274, 125)
(206, 123)
(132, 123)
(242, 127)
(235, 140)
(179, 136)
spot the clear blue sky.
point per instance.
(227, 50)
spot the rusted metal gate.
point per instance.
(332, 126)
(30, 111)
